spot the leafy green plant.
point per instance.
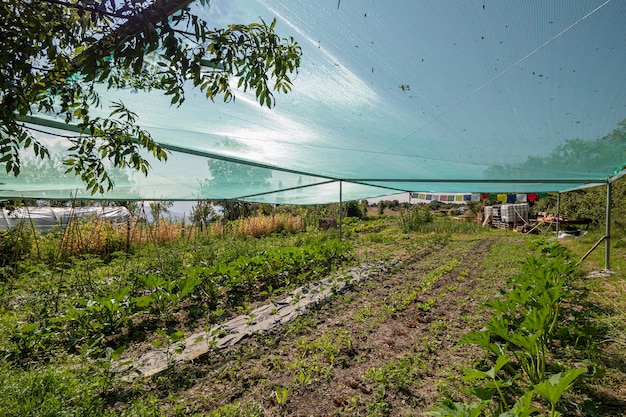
(15, 244)
(420, 215)
(281, 395)
(173, 343)
(50, 391)
(518, 338)
(303, 377)
(449, 408)
(165, 293)
(102, 315)
(28, 342)
(553, 388)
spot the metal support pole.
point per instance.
(607, 244)
(340, 211)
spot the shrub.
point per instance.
(15, 245)
(419, 216)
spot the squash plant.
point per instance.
(518, 340)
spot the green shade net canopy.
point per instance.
(425, 96)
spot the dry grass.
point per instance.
(260, 225)
(92, 236)
(158, 233)
(101, 237)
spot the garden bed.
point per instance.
(388, 345)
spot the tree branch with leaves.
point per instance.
(57, 55)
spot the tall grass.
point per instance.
(100, 237)
(259, 226)
(445, 226)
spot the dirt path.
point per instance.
(387, 347)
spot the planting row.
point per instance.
(86, 306)
(517, 378)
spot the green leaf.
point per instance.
(491, 374)
(485, 394)
(448, 408)
(499, 325)
(115, 354)
(553, 388)
(472, 374)
(522, 408)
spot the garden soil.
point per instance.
(361, 353)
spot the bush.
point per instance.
(353, 209)
(420, 215)
(15, 245)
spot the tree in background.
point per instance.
(202, 212)
(160, 208)
(55, 54)
(352, 209)
(590, 203)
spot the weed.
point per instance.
(363, 313)
(303, 377)
(427, 305)
(49, 390)
(281, 395)
(173, 343)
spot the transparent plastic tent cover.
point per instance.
(423, 96)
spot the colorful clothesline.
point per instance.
(463, 198)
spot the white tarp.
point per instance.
(48, 217)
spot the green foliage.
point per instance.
(553, 388)
(73, 47)
(202, 212)
(599, 153)
(518, 339)
(165, 292)
(86, 306)
(445, 225)
(419, 216)
(27, 342)
(86, 311)
(158, 209)
(276, 268)
(353, 209)
(50, 391)
(15, 244)
(103, 315)
(448, 408)
(399, 374)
